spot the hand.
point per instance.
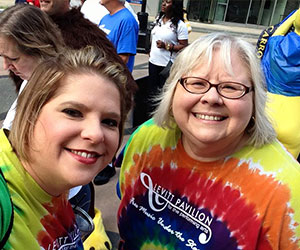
(160, 44)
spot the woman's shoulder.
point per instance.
(182, 29)
(272, 157)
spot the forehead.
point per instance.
(85, 82)
(227, 62)
(8, 46)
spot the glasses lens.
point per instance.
(231, 89)
(196, 85)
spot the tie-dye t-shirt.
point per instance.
(40, 220)
(250, 200)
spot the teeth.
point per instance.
(83, 154)
(209, 117)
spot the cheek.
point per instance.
(24, 68)
(242, 113)
(113, 141)
(49, 130)
(183, 102)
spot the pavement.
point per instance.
(106, 198)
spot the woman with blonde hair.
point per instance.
(61, 137)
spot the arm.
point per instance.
(172, 47)
(124, 57)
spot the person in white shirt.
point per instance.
(169, 36)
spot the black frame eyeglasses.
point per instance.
(229, 90)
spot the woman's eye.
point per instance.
(110, 122)
(198, 84)
(229, 87)
(72, 112)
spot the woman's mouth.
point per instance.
(84, 154)
(210, 117)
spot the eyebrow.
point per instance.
(85, 108)
(74, 103)
(9, 58)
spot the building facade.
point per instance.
(250, 12)
(255, 12)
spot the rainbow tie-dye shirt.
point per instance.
(250, 200)
(40, 220)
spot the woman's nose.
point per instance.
(212, 96)
(6, 64)
(93, 132)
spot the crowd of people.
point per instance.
(209, 169)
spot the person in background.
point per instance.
(61, 137)
(168, 37)
(207, 172)
(121, 29)
(95, 11)
(78, 32)
(23, 47)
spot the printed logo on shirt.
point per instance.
(60, 229)
(70, 241)
(106, 31)
(160, 199)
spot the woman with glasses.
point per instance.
(207, 171)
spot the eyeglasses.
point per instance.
(229, 90)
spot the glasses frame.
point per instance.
(247, 89)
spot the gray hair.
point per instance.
(260, 128)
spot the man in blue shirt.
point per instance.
(121, 29)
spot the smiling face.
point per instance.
(76, 133)
(213, 126)
(20, 64)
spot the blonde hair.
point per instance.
(260, 129)
(45, 83)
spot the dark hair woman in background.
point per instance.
(169, 35)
